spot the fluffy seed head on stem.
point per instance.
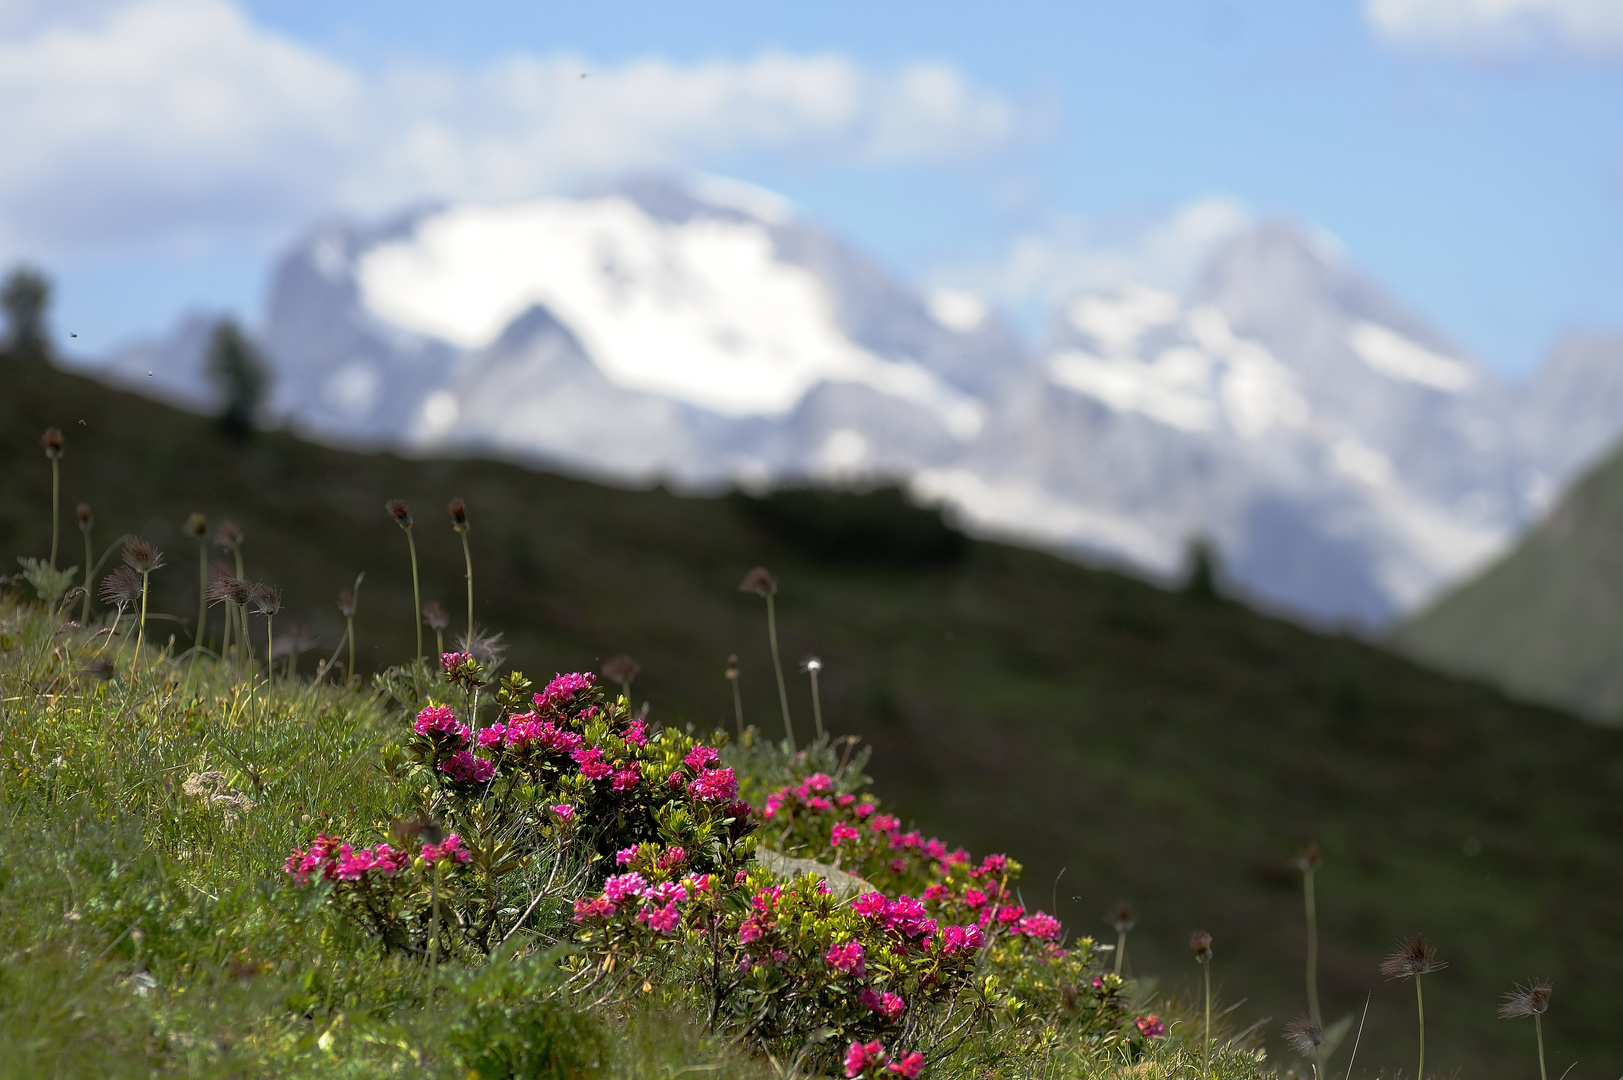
(196, 526)
(1304, 1035)
(1309, 858)
(489, 649)
(732, 667)
(266, 598)
(141, 556)
(86, 517)
(51, 442)
(811, 665)
(435, 616)
(346, 603)
(1122, 918)
(1411, 958)
(228, 535)
(760, 582)
(620, 669)
(1201, 942)
(225, 586)
(1530, 1000)
(398, 510)
(459, 514)
(121, 588)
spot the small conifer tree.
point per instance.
(237, 371)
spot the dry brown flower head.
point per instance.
(1304, 1035)
(1309, 858)
(51, 442)
(141, 556)
(1201, 942)
(620, 669)
(121, 588)
(266, 598)
(1411, 958)
(1530, 1000)
(760, 582)
(196, 525)
(228, 535)
(732, 666)
(459, 514)
(86, 518)
(1122, 918)
(398, 510)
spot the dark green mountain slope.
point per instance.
(1167, 749)
(1546, 621)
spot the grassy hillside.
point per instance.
(1546, 620)
(1166, 749)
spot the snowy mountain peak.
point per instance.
(1343, 458)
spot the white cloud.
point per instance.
(1041, 269)
(167, 121)
(1502, 27)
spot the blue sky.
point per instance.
(1467, 153)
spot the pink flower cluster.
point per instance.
(439, 723)
(526, 729)
(1150, 1026)
(467, 767)
(904, 915)
(562, 688)
(452, 660)
(847, 958)
(865, 1056)
(657, 903)
(334, 860)
(889, 1007)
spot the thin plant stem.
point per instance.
(202, 592)
(439, 642)
(1358, 1038)
(84, 612)
(738, 709)
(1121, 949)
(56, 505)
(270, 653)
(417, 600)
(225, 635)
(1538, 1028)
(1312, 948)
(140, 633)
(242, 612)
(349, 632)
(1206, 969)
(1420, 1004)
(777, 668)
(467, 561)
(817, 706)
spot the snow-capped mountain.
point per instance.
(1343, 458)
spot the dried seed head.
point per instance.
(488, 649)
(196, 525)
(225, 586)
(1309, 858)
(435, 616)
(760, 582)
(620, 669)
(1530, 1000)
(51, 443)
(121, 588)
(398, 510)
(1122, 918)
(228, 535)
(732, 666)
(86, 518)
(346, 604)
(424, 829)
(266, 598)
(1304, 1035)
(97, 670)
(811, 665)
(1201, 942)
(459, 514)
(1411, 958)
(141, 556)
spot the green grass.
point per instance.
(1165, 749)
